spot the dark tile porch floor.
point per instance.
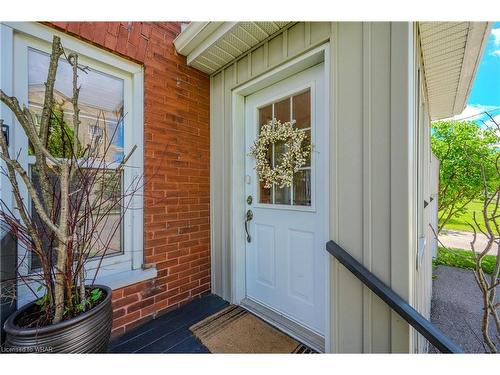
(169, 333)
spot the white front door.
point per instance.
(286, 257)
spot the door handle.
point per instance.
(248, 218)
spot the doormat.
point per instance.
(235, 330)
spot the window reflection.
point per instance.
(100, 102)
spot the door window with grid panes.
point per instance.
(295, 107)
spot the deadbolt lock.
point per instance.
(249, 199)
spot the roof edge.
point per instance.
(193, 35)
(474, 50)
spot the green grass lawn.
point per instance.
(459, 222)
(462, 259)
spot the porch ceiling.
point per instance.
(451, 52)
(211, 45)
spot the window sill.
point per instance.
(114, 281)
(123, 279)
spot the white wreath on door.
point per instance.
(294, 157)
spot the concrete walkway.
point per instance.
(456, 308)
(462, 240)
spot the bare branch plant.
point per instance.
(490, 213)
(72, 193)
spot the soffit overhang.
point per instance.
(451, 53)
(209, 46)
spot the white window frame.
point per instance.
(116, 270)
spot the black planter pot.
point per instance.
(86, 333)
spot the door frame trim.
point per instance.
(237, 209)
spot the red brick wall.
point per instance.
(176, 163)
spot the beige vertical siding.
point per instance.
(374, 144)
(422, 284)
(372, 172)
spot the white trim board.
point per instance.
(70, 43)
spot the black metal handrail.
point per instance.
(395, 302)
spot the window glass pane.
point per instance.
(265, 115)
(103, 188)
(282, 195)
(302, 110)
(302, 188)
(48, 239)
(307, 142)
(282, 110)
(105, 198)
(279, 150)
(100, 103)
(266, 195)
